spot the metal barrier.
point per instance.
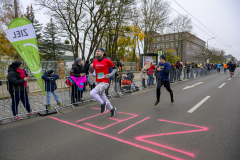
(67, 96)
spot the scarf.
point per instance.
(22, 75)
(79, 81)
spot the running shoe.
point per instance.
(172, 100)
(18, 117)
(157, 102)
(103, 107)
(49, 106)
(32, 113)
(113, 112)
(60, 104)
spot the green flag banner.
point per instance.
(22, 36)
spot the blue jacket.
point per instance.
(50, 84)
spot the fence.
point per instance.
(4, 64)
(68, 96)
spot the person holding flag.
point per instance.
(17, 87)
(101, 66)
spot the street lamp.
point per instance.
(207, 48)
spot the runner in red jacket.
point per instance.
(101, 66)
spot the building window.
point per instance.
(163, 45)
(147, 51)
(176, 44)
(158, 46)
(167, 45)
(163, 38)
(154, 46)
(176, 36)
(188, 44)
(172, 36)
(158, 38)
(147, 45)
(167, 37)
(172, 45)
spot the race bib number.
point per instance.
(100, 75)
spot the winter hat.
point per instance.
(99, 48)
(163, 56)
(49, 71)
(103, 50)
(16, 64)
(79, 60)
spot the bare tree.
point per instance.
(182, 28)
(7, 12)
(155, 15)
(68, 13)
(121, 16)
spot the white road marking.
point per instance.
(187, 87)
(199, 104)
(222, 85)
(229, 79)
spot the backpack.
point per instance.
(68, 82)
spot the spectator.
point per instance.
(110, 71)
(51, 86)
(17, 87)
(150, 75)
(117, 78)
(180, 70)
(147, 68)
(156, 73)
(142, 76)
(77, 71)
(91, 77)
(120, 65)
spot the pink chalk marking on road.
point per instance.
(92, 116)
(118, 121)
(141, 138)
(118, 139)
(132, 125)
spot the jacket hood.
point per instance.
(10, 68)
(75, 64)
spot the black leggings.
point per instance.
(166, 85)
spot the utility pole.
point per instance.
(16, 16)
(206, 49)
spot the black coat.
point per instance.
(15, 82)
(50, 84)
(86, 67)
(76, 69)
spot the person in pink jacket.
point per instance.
(142, 76)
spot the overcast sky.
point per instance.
(221, 17)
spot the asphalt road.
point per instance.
(140, 130)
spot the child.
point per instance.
(51, 86)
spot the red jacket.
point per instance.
(151, 70)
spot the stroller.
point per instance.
(128, 85)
